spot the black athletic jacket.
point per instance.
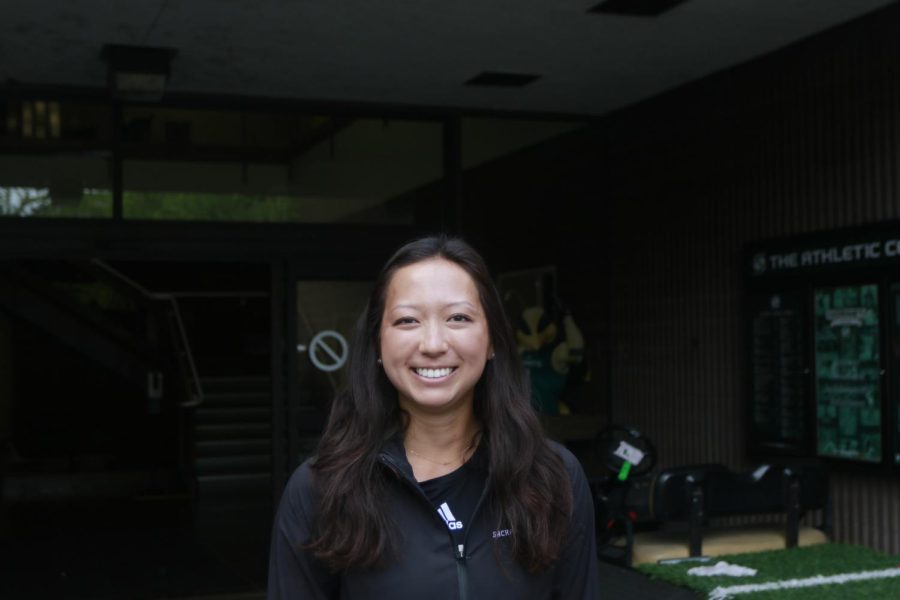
(430, 566)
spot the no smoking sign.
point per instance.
(328, 350)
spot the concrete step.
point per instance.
(233, 447)
(234, 431)
(215, 385)
(252, 464)
(234, 484)
(211, 415)
(236, 399)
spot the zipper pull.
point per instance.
(460, 552)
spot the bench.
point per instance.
(683, 500)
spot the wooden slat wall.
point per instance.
(804, 140)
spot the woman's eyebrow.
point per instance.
(461, 303)
(465, 303)
(404, 307)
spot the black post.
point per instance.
(452, 211)
(280, 421)
(117, 183)
(792, 500)
(695, 491)
(292, 382)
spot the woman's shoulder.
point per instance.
(569, 459)
(573, 466)
(300, 488)
(295, 520)
(582, 496)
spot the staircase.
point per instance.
(233, 439)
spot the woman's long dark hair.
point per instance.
(528, 483)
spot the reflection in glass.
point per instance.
(54, 186)
(241, 166)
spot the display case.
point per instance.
(822, 322)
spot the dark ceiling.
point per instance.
(416, 53)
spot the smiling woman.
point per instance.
(433, 478)
(434, 337)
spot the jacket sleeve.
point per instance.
(576, 574)
(294, 573)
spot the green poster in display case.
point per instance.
(848, 372)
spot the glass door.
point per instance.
(326, 315)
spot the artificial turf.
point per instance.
(795, 563)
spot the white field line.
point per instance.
(721, 593)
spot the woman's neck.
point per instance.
(439, 444)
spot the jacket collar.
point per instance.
(394, 455)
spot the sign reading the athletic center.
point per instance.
(865, 253)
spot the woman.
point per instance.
(433, 478)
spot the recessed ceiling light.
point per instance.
(635, 8)
(137, 72)
(499, 79)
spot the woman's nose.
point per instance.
(434, 340)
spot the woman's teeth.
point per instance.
(433, 373)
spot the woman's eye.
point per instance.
(404, 321)
(460, 318)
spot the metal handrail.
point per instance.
(197, 395)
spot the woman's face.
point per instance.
(434, 336)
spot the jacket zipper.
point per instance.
(462, 574)
(459, 551)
